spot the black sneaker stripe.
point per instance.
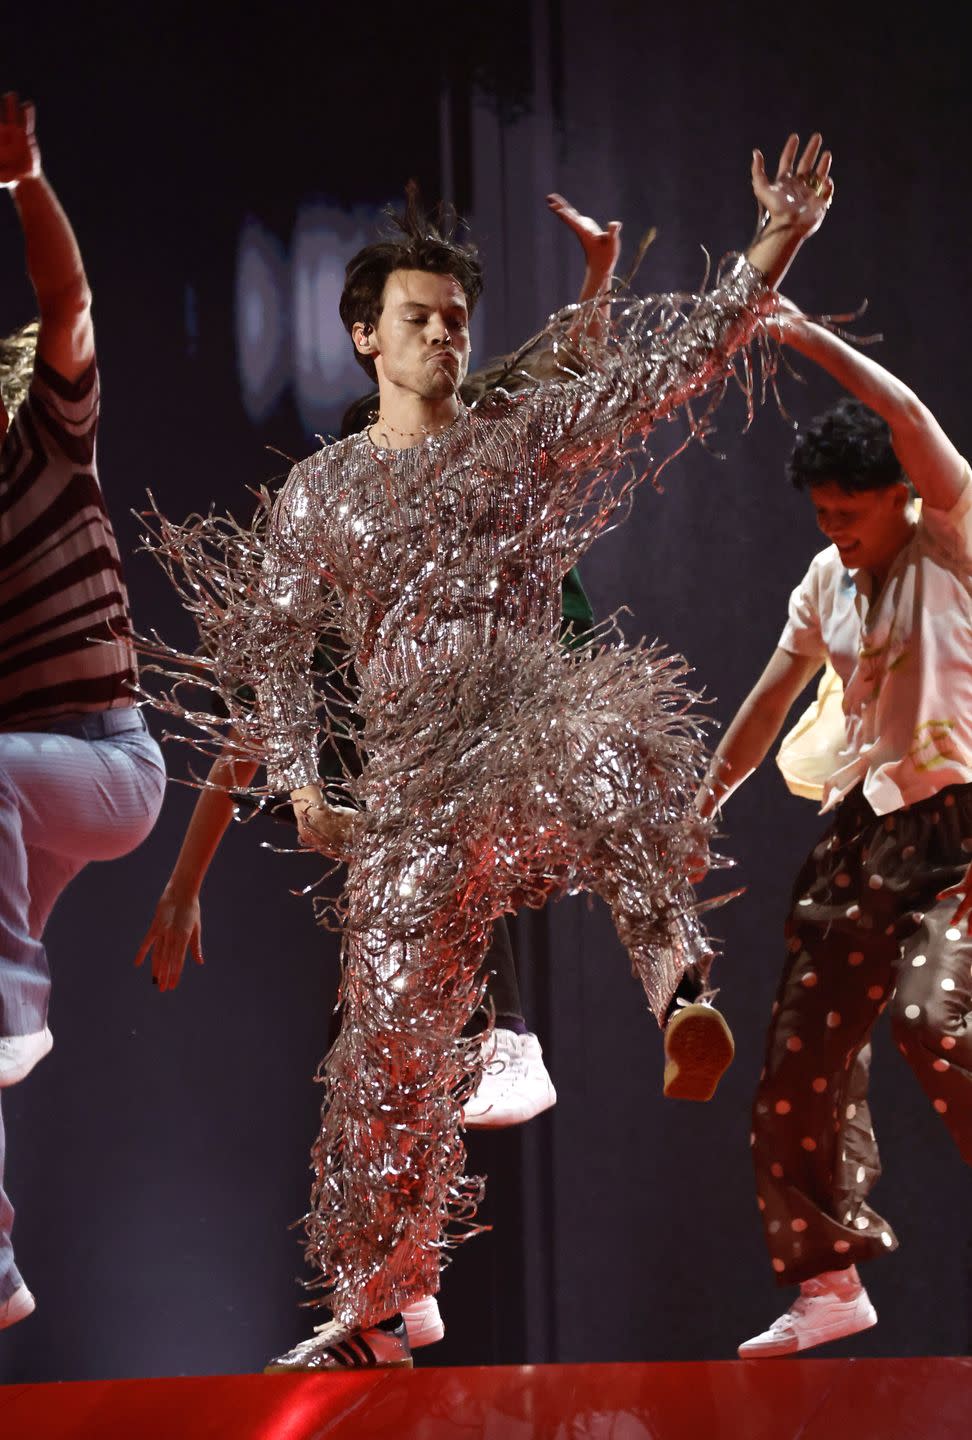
(371, 1357)
(354, 1353)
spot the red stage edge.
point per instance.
(911, 1399)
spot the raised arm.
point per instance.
(930, 460)
(177, 923)
(66, 336)
(754, 728)
(601, 247)
(662, 352)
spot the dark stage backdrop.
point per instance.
(218, 166)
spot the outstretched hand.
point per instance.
(19, 154)
(801, 194)
(176, 927)
(601, 246)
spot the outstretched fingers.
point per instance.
(811, 153)
(787, 157)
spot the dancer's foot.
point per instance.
(334, 1346)
(423, 1322)
(20, 1304)
(698, 1050)
(20, 1053)
(515, 1085)
(829, 1307)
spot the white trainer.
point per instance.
(825, 1310)
(18, 1307)
(515, 1085)
(20, 1053)
(334, 1346)
(423, 1322)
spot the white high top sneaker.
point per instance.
(423, 1322)
(829, 1306)
(515, 1085)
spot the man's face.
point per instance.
(868, 527)
(421, 341)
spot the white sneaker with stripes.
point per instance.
(334, 1346)
(830, 1307)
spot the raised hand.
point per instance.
(19, 154)
(601, 246)
(800, 196)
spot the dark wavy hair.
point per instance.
(849, 446)
(418, 242)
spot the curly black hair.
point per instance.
(849, 446)
(423, 242)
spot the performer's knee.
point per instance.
(923, 1022)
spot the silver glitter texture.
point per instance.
(499, 769)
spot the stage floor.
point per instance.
(913, 1399)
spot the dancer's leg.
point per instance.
(931, 1012)
(389, 1160)
(63, 801)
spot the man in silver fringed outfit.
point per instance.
(499, 771)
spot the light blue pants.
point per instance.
(90, 791)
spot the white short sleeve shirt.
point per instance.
(904, 658)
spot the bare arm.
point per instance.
(66, 338)
(177, 923)
(754, 727)
(601, 250)
(930, 460)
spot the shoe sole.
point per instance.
(840, 1333)
(698, 1051)
(333, 1369)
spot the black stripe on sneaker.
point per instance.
(335, 1353)
(370, 1357)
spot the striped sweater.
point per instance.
(62, 596)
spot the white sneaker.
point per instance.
(18, 1307)
(20, 1053)
(334, 1346)
(423, 1322)
(515, 1084)
(823, 1312)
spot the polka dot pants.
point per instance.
(865, 933)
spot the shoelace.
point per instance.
(330, 1333)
